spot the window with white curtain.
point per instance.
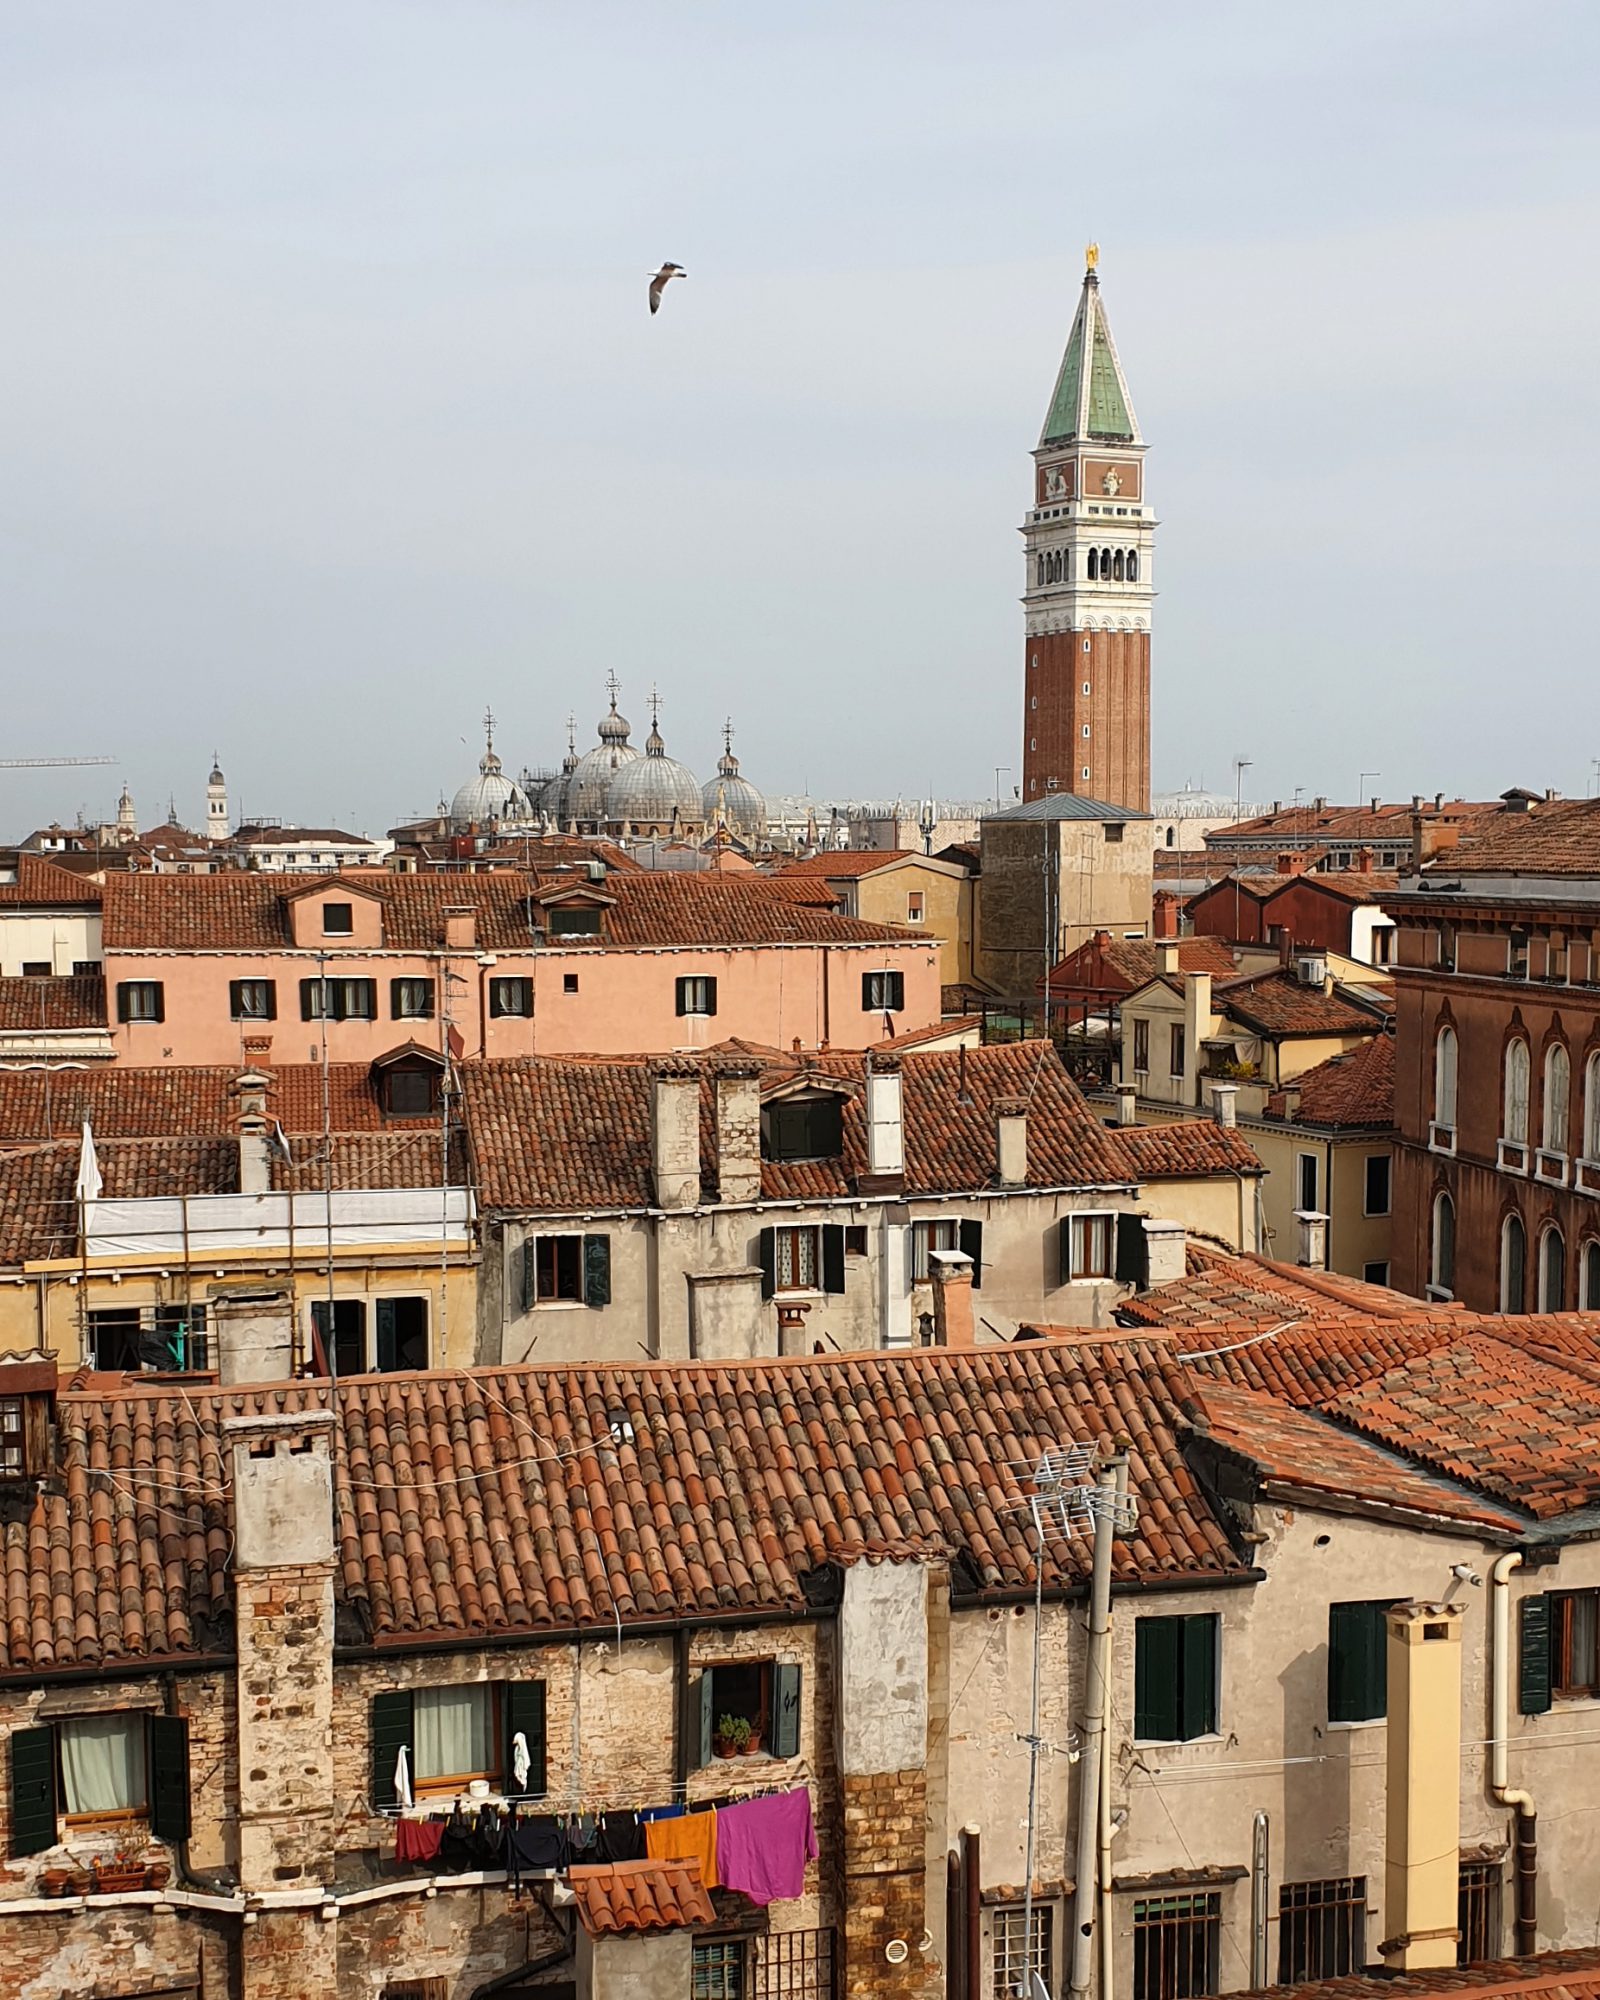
(1514, 1109)
(1557, 1091)
(455, 1734)
(1444, 1077)
(1591, 1108)
(102, 1765)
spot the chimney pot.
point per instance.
(952, 1298)
(460, 929)
(1127, 1105)
(1168, 957)
(675, 1134)
(1011, 1141)
(1223, 1105)
(1313, 1245)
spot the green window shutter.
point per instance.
(1533, 1676)
(528, 1271)
(597, 1271)
(523, 1708)
(1198, 1704)
(833, 1257)
(1358, 1661)
(308, 999)
(682, 995)
(33, 1790)
(272, 999)
(1064, 1228)
(169, 1777)
(969, 1239)
(383, 1321)
(698, 1717)
(160, 991)
(785, 1710)
(768, 1259)
(711, 996)
(235, 988)
(391, 1731)
(1155, 1679)
(394, 999)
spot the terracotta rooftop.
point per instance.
(1553, 837)
(1278, 1003)
(40, 881)
(847, 861)
(240, 911)
(44, 1004)
(640, 1896)
(1390, 822)
(1353, 1090)
(1301, 1450)
(569, 1134)
(501, 1501)
(1552, 1975)
(184, 1100)
(1122, 964)
(1189, 1149)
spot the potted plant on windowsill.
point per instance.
(120, 1873)
(731, 1737)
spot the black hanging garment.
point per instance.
(621, 1837)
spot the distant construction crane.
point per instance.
(48, 763)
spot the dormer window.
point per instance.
(576, 921)
(802, 1128)
(338, 919)
(410, 1093)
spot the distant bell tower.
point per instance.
(127, 817)
(216, 802)
(1090, 541)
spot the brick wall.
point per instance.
(884, 1871)
(285, 1673)
(1116, 667)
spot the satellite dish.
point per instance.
(897, 1951)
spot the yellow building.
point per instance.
(218, 1250)
(920, 891)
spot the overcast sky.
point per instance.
(332, 410)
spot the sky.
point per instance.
(331, 411)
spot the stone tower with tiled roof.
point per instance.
(1090, 540)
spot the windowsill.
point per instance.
(558, 1305)
(1175, 1742)
(1367, 1722)
(792, 1293)
(1580, 1698)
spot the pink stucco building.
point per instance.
(203, 969)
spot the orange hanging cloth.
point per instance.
(692, 1837)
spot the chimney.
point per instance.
(1166, 1250)
(251, 1332)
(1167, 956)
(1281, 936)
(1127, 1104)
(1364, 861)
(1422, 1846)
(726, 1320)
(1223, 1106)
(255, 1151)
(1164, 914)
(1313, 1239)
(1417, 802)
(1376, 802)
(1196, 1026)
(738, 1095)
(952, 1298)
(1011, 1141)
(283, 1559)
(675, 1133)
(460, 930)
(1319, 804)
(886, 1137)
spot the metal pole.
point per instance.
(1259, 1862)
(1096, 1663)
(1022, 1987)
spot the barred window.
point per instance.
(1175, 1941)
(1478, 1912)
(718, 1970)
(1322, 1928)
(1017, 1953)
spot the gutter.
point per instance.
(1504, 1794)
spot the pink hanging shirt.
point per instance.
(763, 1846)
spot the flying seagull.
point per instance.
(658, 283)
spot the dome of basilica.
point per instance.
(491, 798)
(731, 800)
(655, 791)
(588, 783)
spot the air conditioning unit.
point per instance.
(1311, 969)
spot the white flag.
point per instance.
(521, 1762)
(402, 1780)
(89, 1181)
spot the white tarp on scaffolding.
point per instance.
(199, 1225)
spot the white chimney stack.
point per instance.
(1127, 1104)
(1224, 1107)
(1313, 1238)
(1011, 1141)
(675, 1134)
(886, 1134)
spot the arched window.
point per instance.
(1094, 565)
(1591, 1108)
(1590, 1276)
(1514, 1095)
(1442, 1250)
(1513, 1265)
(1172, 835)
(1552, 1271)
(1444, 1078)
(1105, 565)
(1041, 570)
(1557, 1090)
(1116, 566)
(1133, 565)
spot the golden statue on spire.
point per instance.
(1091, 256)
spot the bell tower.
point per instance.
(1090, 541)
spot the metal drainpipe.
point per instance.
(1096, 1662)
(1108, 1830)
(1527, 1830)
(1260, 1855)
(970, 1885)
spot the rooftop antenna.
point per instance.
(1065, 1499)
